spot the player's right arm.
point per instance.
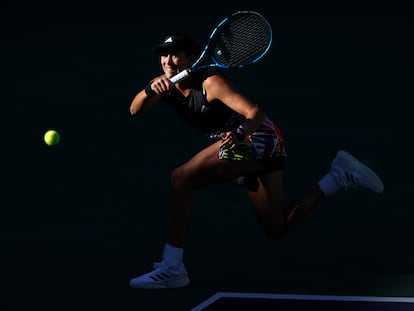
(144, 99)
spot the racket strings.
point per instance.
(242, 41)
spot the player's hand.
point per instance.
(161, 85)
(229, 140)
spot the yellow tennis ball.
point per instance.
(51, 138)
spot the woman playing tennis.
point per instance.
(248, 149)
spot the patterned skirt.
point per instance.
(266, 143)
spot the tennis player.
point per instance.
(248, 149)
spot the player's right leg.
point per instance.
(346, 172)
(275, 218)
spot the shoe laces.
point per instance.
(163, 266)
(159, 265)
(350, 181)
(165, 270)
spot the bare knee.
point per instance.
(272, 222)
(178, 178)
(183, 179)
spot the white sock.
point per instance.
(172, 256)
(329, 184)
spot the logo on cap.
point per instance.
(169, 39)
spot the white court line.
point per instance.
(219, 295)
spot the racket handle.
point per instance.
(181, 76)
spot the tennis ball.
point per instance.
(51, 137)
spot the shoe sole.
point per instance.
(183, 282)
(373, 181)
(159, 286)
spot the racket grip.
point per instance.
(181, 76)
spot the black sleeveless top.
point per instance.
(195, 111)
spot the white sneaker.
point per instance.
(162, 277)
(350, 173)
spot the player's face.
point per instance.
(175, 62)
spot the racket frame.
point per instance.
(187, 72)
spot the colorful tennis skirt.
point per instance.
(265, 143)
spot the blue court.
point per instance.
(267, 302)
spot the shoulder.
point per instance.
(218, 87)
(215, 78)
(212, 72)
(206, 73)
(207, 78)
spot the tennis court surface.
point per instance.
(260, 301)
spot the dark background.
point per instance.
(78, 220)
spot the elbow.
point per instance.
(259, 115)
(136, 104)
(132, 110)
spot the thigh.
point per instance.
(206, 168)
(269, 200)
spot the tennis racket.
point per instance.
(240, 39)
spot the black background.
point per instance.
(80, 219)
